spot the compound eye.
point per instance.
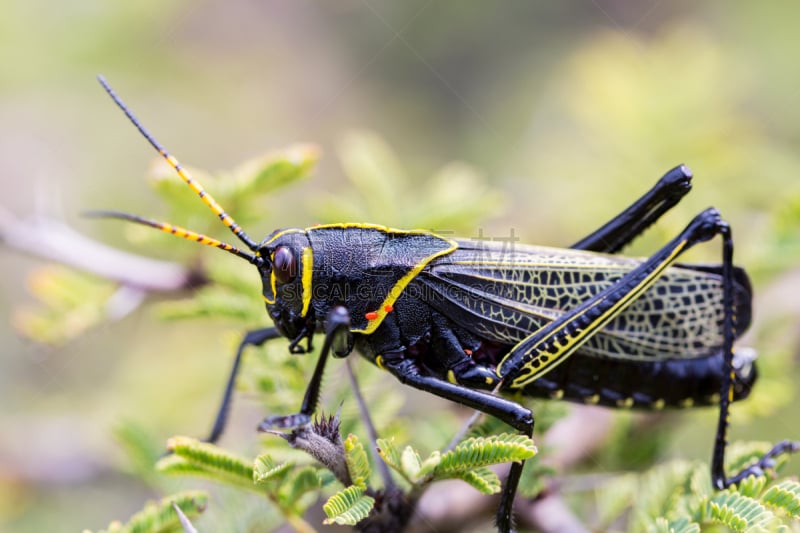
(284, 264)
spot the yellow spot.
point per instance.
(379, 362)
(688, 402)
(451, 377)
(557, 394)
(714, 398)
(625, 403)
(489, 380)
(658, 404)
(592, 400)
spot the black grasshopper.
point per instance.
(460, 319)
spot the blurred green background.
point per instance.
(570, 110)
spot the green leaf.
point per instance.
(265, 470)
(348, 507)
(140, 447)
(482, 479)
(389, 453)
(372, 166)
(484, 451)
(410, 462)
(785, 495)
(407, 463)
(212, 301)
(357, 461)
(174, 465)
(661, 490)
(751, 486)
(172, 189)
(738, 512)
(72, 303)
(615, 497)
(682, 525)
(160, 517)
(274, 170)
(297, 484)
(216, 461)
(429, 465)
(534, 478)
(178, 466)
(457, 196)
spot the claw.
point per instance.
(284, 422)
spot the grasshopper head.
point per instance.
(286, 280)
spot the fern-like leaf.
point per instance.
(617, 495)
(348, 507)
(484, 451)
(297, 484)
(410, 463)
(751, 486)
(273, 170)
(738, 512)
(71, 304)
(661, 492)
(265, 470)
(427, 467)
(160, 517)
(357, 461)
(682, 525)
(482, 479)
(215, 461)
(392, 457)
(186, 524)
(785, 495)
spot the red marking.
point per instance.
(372, 315)
(388, 308)
(468, 352)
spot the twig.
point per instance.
(388, 482)
(53, 240)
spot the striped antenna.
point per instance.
(178, 231)
(191, 182)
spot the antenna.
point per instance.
(187, 178)
(178, 231)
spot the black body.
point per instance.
(458, 319)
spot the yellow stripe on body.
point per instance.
(397, 289)
(282, 233)
(548, 360)
(308, 270)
